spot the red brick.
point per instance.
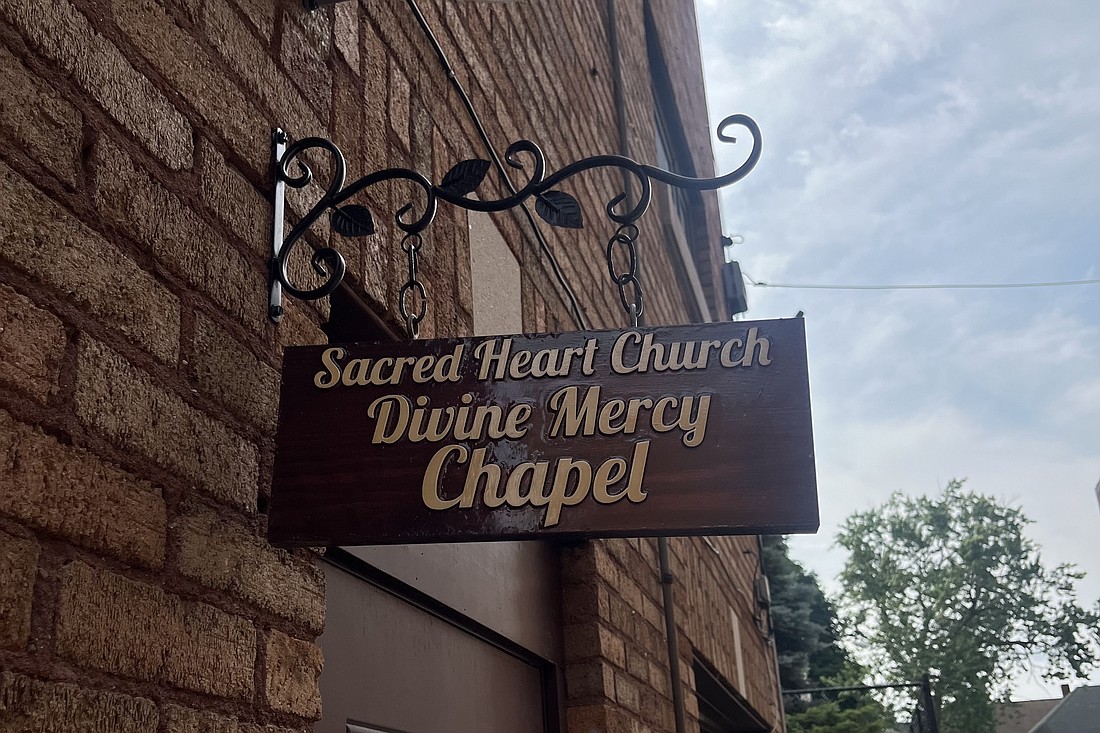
(293, 670)
(29, 705)
(72, 493)
(62, 34)
(40, 121)
(225, 556)
(112, 623)
(18, 564)
(31, 345)
(40, 238)
(128, 407)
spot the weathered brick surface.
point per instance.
(243, 209)
(224, 555)
(185, 720)
(69, 492)
(18, 564)
(38, 119)
(195, 77)
(63, 35)
(137, 204)
(29, 705)
(248, 56)
(128, 407)
(234, 376)
(32, 341)
(111, 623)
(293, 669)
(40, 238)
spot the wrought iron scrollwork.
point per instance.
(556, 207)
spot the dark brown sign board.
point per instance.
(700, 429)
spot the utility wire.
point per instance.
(928, 286)
(574, 306)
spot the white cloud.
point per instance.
(923, 142)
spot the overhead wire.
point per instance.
(923, 286)
(544, 247)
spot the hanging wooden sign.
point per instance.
(700, 429)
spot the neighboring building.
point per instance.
(1077, 712)
(1021, 717)
(139, 374)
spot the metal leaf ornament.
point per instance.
(353, 220)
(465, 177)
(559, 209)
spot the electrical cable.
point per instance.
(928, 286)
(574, 306)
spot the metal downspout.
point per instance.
(670, 634)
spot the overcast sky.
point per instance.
(919, 143)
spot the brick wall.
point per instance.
(138, 372)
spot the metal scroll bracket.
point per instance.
(556, 207)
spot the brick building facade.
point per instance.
(139, 373)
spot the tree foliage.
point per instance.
(951, 585)
(849, 714)
(803, 621)
(805, 627)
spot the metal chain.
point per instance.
(630, 287)
(413, 289)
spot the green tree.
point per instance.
(803, 620)
(804, 624)
(951, 585)
(852, 713)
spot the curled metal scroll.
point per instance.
(553, 205)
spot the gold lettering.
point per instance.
(384, 432)
(328, 361)
(376, 371)
(660, 422)
(609, 472)
(491, 473)
(492, 359)
(516, 416)
(694, 424)
(399, 365)
(611, 411)
(752, 343)
(357, 371)
(429, 490)
(725, 356)
(446, 369)
(617, 363)
(512, 492)
(518, 364)
(569, 415)
(545, 363)
(587, 366)
(632, 413)
(558, 497)
(635, 492)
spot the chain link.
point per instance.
(622, 246)
(413, 290)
